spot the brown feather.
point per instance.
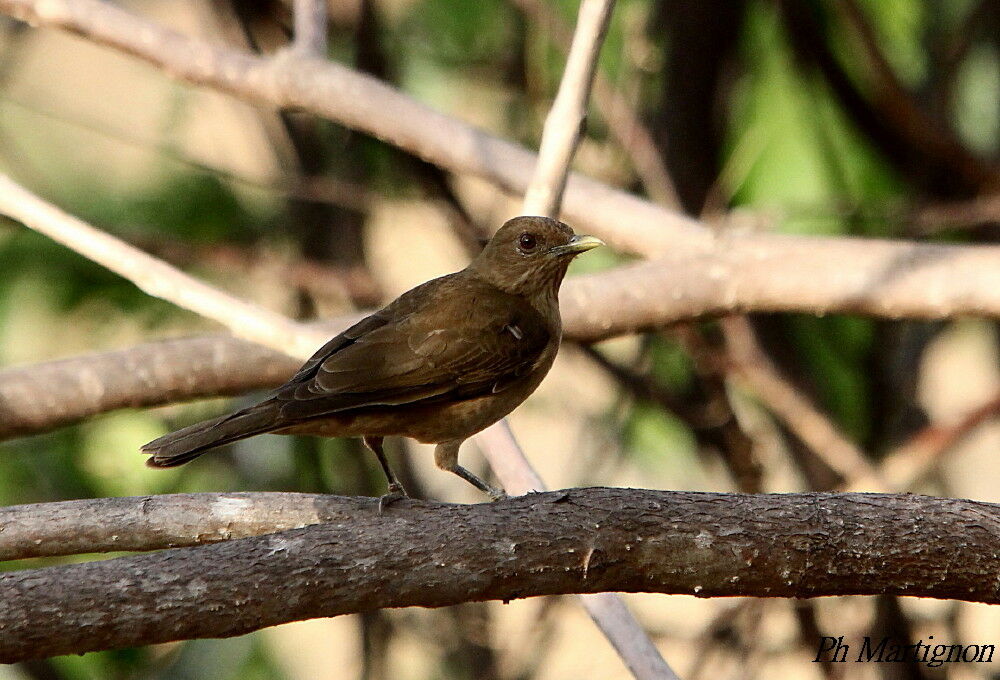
(440, 363)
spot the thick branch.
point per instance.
(143, 523)
(577, 541)
(40, 397)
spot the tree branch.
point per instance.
(156, 277)
(751, 363)
(310, 28)
(41, 397)
(713, 274)
(563, 129)
(576, 541)
(566, 120)
(883, 279)
(144, 523)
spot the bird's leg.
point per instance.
(396, 490)
(446, 458)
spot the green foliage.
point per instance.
(834, 352)
(458, 33)
(791, 145)
(977, 102)
(658, 440)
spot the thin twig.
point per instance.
(310, 27)
(751, 363)
(909, 464)
(566, 120)
(973, 212)
(156, 277)
(623, 121)
(561, 135)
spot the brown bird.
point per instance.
(440, 363)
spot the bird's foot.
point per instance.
(396, 492)
(496, 494)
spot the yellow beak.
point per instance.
(578, 244)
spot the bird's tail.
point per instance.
(183, 445)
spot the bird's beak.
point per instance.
(577, 244)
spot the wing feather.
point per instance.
(415, 352)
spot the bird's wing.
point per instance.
(446, 339)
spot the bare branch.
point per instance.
(623, 121)
(883, 279)
(310, 27)
(143, 523)
(576, 541)
(565, 122)
(810, 425)
(908, 464)
(974, 212)
(40, 397)
(156, 277)
(769, 271)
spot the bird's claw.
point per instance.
(497, 495)
(396, 492)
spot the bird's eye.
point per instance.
(526, 242)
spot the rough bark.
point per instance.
(576, 541)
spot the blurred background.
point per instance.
(835, 117)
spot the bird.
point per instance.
(440, 363)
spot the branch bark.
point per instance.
(41, 397)
(576, 541)
(144, 523)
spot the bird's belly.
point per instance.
(462, 419)
(432, 423)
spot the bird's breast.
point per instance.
(462, 419)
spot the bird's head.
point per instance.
(529, 255)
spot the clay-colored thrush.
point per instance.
(440, 363)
